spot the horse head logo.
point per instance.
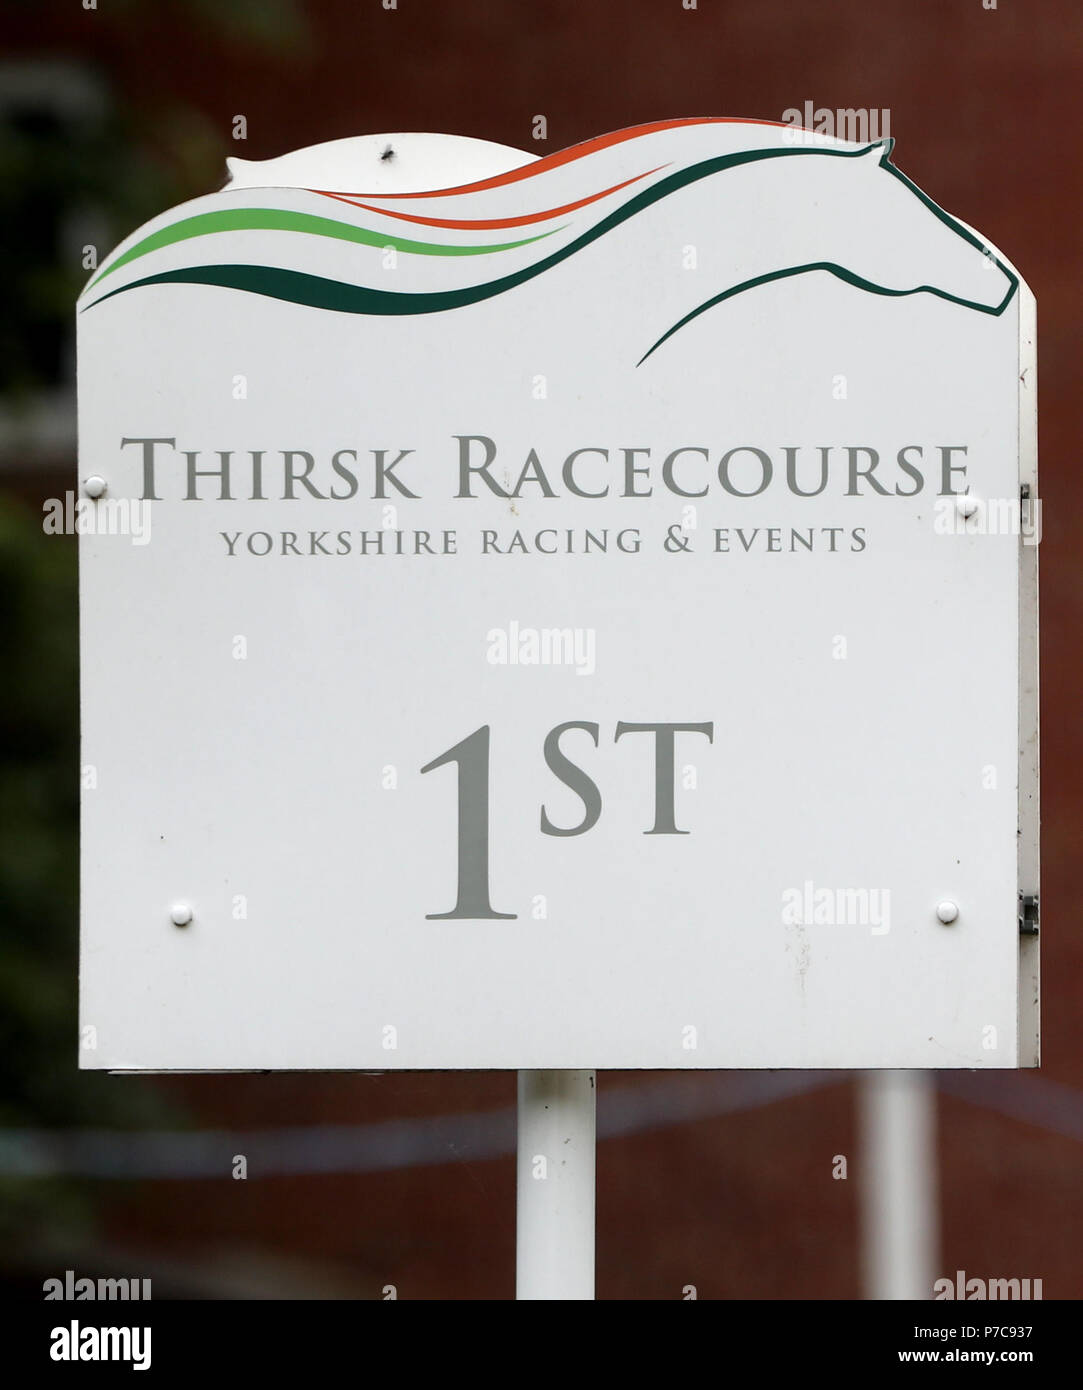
(852, 214)
(770, 212)
(930, 251)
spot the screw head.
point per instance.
(947, 912)
(966, 506)
(180, 914)
(94, 486)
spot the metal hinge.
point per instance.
(1028, 914)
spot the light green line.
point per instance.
(277, 220)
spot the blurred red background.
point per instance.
(984, 107)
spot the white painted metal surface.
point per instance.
(413, 162)
(257, 724)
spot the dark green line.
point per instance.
(841, 273)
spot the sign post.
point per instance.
(898, 1183)
(555, 1185)
(582, 615)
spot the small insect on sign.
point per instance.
(573, 612)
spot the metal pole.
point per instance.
(900, 1236)
(555, 1193)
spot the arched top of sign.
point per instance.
(479, 220)
(387, 165)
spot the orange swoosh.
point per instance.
(554, 161)
(487, 223)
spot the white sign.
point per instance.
(575, 612)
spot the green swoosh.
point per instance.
(355, 299)
(275, 220)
